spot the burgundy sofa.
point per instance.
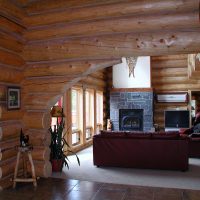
(194, 147)
(194, 142)
(141, 150)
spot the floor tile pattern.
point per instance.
(61, 189)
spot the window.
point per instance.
(99, 111)
(76, 137)
(77, 118)
(86, 114)
(89, 112)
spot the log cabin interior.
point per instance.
(72, 51)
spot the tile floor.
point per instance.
(60, 189)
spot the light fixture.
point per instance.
(57, 111)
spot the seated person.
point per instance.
(195, 130)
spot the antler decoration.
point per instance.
(131, 62)
(198, 56)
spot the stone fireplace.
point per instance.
(131, 110)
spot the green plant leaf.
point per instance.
(58, 142)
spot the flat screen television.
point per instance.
(177, 118)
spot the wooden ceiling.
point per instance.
(108, 29)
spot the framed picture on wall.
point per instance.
(13, 98)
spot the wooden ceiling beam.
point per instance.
(36, 7)
(11, 58)
(9, 26)
(38, 80)
(117, 9)
(169, 72)
(170, 64)
(169, 57)
(13, 12)
(117, 25)
(11, 43)
(173, 80)
(115, 46)
(60, 68)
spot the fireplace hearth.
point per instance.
(131, 119)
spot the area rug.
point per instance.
(143, 177)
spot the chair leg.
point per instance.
(32, 169)
(16, 169)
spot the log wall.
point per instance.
(47, 47)
(170, 74)
(11, 67)
(43, 85)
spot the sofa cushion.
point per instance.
(194, 135)
(185, 131)
(112, 133)
(138, 135)
(165, 135)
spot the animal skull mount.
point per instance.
(131, 62)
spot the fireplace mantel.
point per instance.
(132, 90)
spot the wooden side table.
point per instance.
(24, 151)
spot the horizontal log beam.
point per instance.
(10, 10)
(108, 5)
(50, 86)
(135, 24)
(11, 115)
(11, 58)
(60, 67)
(115, 46)
(40, 101)
(3, 90)
(169, 64)
(8, 167)
(1, 109)
(37, 119)
(41, 153)
(169, 72)
(172, 80)
(43, 88)
(99, 74)
(7, 181)
(8, 144)
(93, 82)
(7, 154)
(169, 57)
(68, 68)
(10, 26)
(39, 137)
(10, 130)
(11, 43)
(177, 87)
(10, 75)
(42, 168)
(37, 7)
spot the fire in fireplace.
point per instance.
(131, 119)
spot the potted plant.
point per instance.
(58, 155)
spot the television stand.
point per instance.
(172, 129)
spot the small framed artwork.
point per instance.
(13, 98)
